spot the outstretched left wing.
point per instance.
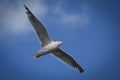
(67, 59)
(39, 28)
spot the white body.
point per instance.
(51, 47)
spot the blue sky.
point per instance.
(90, 30)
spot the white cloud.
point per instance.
(14, 18)
(72, 19)
(13, 15)
(66, 18)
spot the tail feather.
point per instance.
(36, 55)
(39, 54)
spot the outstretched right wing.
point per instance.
(67, 59)
(39, 28)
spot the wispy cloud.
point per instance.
(14, 18)
(72, 19)
(13, 15)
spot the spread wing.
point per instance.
(39, 28)
(67, 59)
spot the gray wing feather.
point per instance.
(39, 28)
(67, 59)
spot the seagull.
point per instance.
(49, 46)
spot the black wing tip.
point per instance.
(81, 70)
(26, 7)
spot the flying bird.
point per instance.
(48, 45)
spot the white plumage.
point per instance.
(48, 45)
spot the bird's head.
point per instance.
(59, 42)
